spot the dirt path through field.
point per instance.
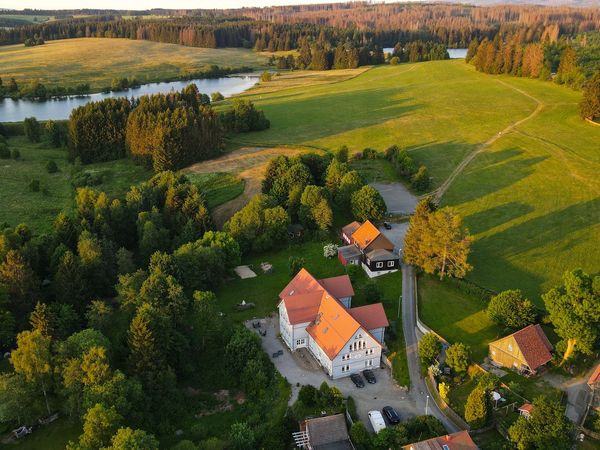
(440, 191)
(247, 162)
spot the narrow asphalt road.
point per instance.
(418, 388)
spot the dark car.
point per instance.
(357, 380)
(369, 376)
(387, 225)
(391, 415)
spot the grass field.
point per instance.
(37, 209)
(531, 199)
(218, 187)
(97, 61)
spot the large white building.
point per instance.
(318, 315)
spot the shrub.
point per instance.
(308, 395)
(330, 250)
(444, 391)
(295, 263)
(429, 348)
(372, 292)
(457, 357)
(33, 129)
(370, 153)
(367, 204)
(352, 270)
(477, 407)
(244, 117)
(510, 309)
(15, 154)
(51, 167)
(420, 180)
(342, 154)
(266, 76)
(357, 156)
(4, 151)
(351, 407)
(394, 60)
(216, 97)
(84, 179)
(34, 185)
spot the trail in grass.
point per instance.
(440, 191)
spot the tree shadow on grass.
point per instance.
(489, 173)
(490, 218)
(492, 254)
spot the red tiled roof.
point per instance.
(595, 378)
(302, 283)
(534, 346)
(455, 441)
(349, 229)
(370, 316)
(339, 287)
(527, 407)
(303, 308)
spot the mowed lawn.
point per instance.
(532, 200)
(439, 110)
(97, 61)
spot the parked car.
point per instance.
(391, 415)
(387, 225)
(377, 421)
(369, 376)
(357, 380)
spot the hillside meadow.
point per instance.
(531, 198)
(97, 61)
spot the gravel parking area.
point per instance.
(300, 367)
(398, 199)
(396, 234)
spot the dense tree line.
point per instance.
(418, 51)
(38, 90)
(417, 176)
(565, 61)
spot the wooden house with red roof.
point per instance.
(318, 315)
(367, 245)
(525, 350)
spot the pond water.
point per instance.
(455, 53)
(60, 108)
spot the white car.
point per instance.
(376, 420)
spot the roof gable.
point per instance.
(370, 316)
(349, 229)
(460, 440)
(302, 283)
(339, 287)
(327, 430)
(303, 308)
(533, 344)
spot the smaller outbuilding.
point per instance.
(460, 440)
(324, 433)
(525, 410)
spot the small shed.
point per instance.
(526, 409)
(349, 254)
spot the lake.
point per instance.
(60, 108)
(455, 53)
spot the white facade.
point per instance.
(361, 352)
(372, 274)
(295, 336)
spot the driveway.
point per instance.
(398, 199)
(300, 367)
(396, 234)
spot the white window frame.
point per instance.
(391, 263)
(379, 265)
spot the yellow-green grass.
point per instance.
(218, 187)
(456, 316)
(532, 200)
(98, 61)
(37, 209)
(438, 110)
(25, 18)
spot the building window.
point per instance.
(369, 363)
(300, 341)
(369, 352)
(391, 263)
(379, 265)
(510, 347)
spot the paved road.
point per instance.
(397, 198)
(418, 388)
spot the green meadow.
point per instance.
(531, 199)
(97, 61)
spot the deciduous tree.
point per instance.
(511, 310)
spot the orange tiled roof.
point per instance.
(339, 287)
(595, 378)
(370, 316)
(333, 326)
(534, 346)
(365, 234)
(455, 441)
(302, 283)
